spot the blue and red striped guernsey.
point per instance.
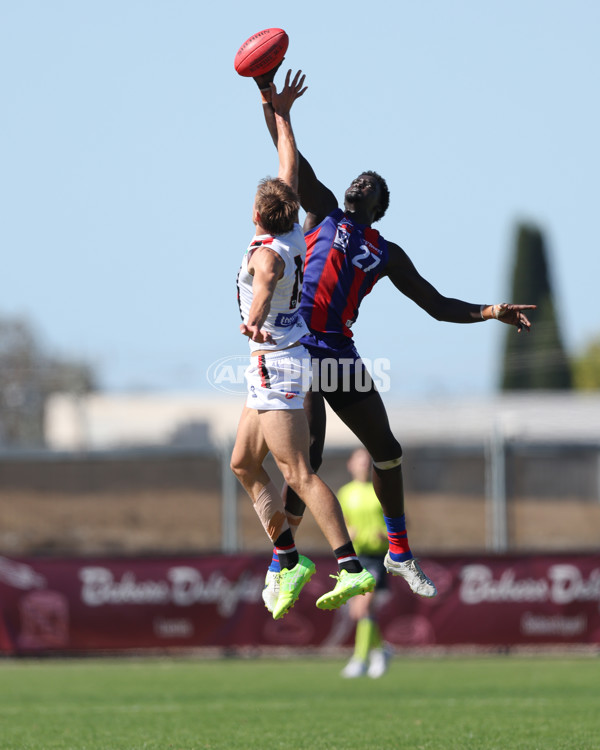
(344, 260)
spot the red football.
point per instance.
(261, 52)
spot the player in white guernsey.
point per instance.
(273, 419)
(276, 382)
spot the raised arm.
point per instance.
(316, 199)
(281, 104)
(405, 277)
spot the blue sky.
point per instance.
(130, 151)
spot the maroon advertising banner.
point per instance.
(87, 605)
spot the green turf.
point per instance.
(480, 703)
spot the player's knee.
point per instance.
(292, 479)
(295, 477)
(240, 467)
(393, 447)
(389, 456)
(387, 448)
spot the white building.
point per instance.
(107, 420)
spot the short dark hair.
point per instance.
(385, 194)
(277, 204)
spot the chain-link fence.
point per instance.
(501, 496)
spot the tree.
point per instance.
(536, 361)
(586, 367)
(28, 375)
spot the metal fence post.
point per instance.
(229, 487)
(497, 518)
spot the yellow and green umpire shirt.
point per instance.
(364, 516)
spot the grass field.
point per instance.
(300, 704)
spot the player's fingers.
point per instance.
(524, 321)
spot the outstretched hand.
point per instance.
(282, 101)
(513, 315)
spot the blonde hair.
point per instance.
(277, 204)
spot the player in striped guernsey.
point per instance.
(273, 419)
(345, 258)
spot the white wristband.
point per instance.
(481, 309)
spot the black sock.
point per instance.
(286, 550)
(347, 559)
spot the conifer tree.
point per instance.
(534, 361)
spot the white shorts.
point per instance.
(279, 379)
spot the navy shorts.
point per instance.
(352, 382)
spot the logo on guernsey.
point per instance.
(342, 237)
(285, 320)
(292, 394)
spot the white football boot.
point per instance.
(354, 668)
(411, 571)
(379, 660)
